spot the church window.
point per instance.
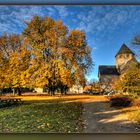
(127, 55)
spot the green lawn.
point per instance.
(135, 115)
(54, 116)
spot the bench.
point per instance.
(10, 101)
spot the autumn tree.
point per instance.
(14, 60)
(59, 57)
(46, 54)
(18, 69)
(8, 45)
(136, 44)
(96, 86)
(130, 81)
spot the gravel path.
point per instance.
(99, 117)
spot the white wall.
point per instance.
(76, 89)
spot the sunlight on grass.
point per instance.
(38, 117)
(51, 114)
(78, 97)
(116, 118)
(134, 114)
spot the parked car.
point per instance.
(91, 92)
(86, 92)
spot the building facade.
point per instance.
(77, 89)
(124, 59)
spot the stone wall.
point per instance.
(38, 90)
(106, 81)
(107, 78)
(122, 59)
(76, 89)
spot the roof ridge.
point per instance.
(108, 70)
(124, 49)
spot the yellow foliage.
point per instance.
(46, 54)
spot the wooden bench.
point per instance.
(9, 100)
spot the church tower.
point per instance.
(123, 56)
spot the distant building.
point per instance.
(87, 88)
(39, 90)
(76, 89)
(124, 58)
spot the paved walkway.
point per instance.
(101, 118)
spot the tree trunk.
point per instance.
(1, 91)
(19, 91)
(13, 91)
(62, 91)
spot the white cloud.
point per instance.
(62, 11)
(12, 17)
(50, 11)
(108, 18)
(96, 20)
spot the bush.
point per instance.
(136, 102)
(120, 101)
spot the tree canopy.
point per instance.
(130, 81)
(136, 43)
(45, 54)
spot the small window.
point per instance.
(127, 55)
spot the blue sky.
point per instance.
(106, 27)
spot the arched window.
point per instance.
(127, 55)
(120, 56)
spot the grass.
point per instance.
(133, 112)
(47, 114)
(68, 97)
(135, 115)
(42, 116)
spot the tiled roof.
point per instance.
(124, 49)
(108, 70)
(87, 88)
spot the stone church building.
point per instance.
(107, 73)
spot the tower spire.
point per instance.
(123, 56)
(124, 50)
